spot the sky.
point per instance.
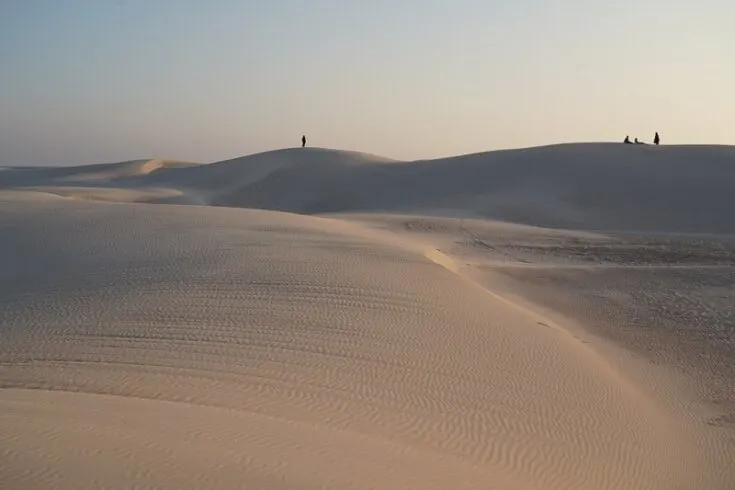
(93, 81)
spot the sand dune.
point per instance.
(114, 171)
(215, 182)
(570, 186)
(309, 336)
(158, 346)
(578, 186)
(108, 174)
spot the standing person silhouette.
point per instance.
(656, 139)
(303, 140)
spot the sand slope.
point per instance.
(190, 347)
(158, 346)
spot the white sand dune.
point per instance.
(588, 186)
(158, 346)
(104, 174)
(578, 186)
(114, 171)
(116, 194)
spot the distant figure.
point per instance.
(627, 140)
(303, 141)
(639, 142)
(656, 139)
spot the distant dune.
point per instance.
(578, 186)
(99, 174)
(353, 333)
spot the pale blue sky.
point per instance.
(89, 81)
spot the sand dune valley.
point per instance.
(548, 318)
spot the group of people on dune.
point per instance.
(656, 140)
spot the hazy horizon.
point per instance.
(102, 81)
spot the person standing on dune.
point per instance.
(303, 140)
(656, 139)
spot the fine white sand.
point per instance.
(170, 346)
